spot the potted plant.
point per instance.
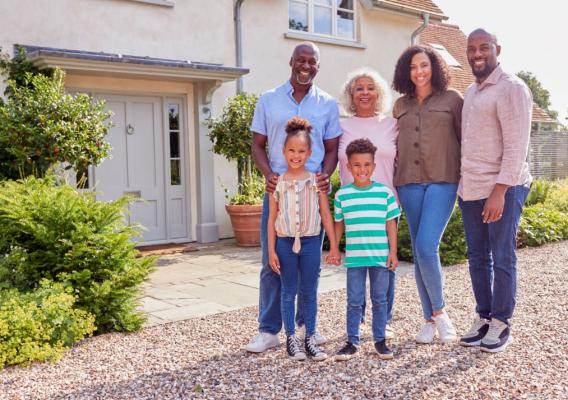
(232, 138)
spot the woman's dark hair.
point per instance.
(360, 146)
(440, 74)
(298, 127)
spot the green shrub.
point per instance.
(541, 224)
(39, 325)
(558, 198)
(65, 235)
(41, 126)
(539, 192)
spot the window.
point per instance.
(175, 155)
(331, 18)
(445, 54)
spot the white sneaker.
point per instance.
(498, 337)
(446, 330)
(427, 333)
(262, 342)
(320, 339)
(478, 330)
(389, 332)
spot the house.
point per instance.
(165, 66)
(451, 44)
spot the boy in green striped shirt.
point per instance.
(367, 212)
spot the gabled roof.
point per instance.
(412, 7)
(455, 42)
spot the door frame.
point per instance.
(185, 155)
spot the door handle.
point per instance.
(130, 129)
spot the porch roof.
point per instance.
(99, 63)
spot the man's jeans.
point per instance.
(304, 268)
(491, 253)
(428, 208)
(356, 286)
(269, 312)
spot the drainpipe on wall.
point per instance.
(425, 23)
(238, 42)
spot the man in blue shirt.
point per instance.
(296, 97)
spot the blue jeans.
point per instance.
(390, 298)
(356, 286)
(305, 268)
(428, 208)
(491, 253)
(269, 313)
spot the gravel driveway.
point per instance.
(201, 358)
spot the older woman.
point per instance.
(365, 96)
(427, 173)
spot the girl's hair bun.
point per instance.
(296, 124)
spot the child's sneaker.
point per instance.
(320, 339)
(446, 331)
(313, 350)
(498, 337)
(347, 352)
(427, 333)
(384, 352)
(477, 332)
(294, 349)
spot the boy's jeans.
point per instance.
(491, 253)
(305, 268)
(356, 284)
(428, 208)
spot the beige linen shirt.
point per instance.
(429, 138)
(496, 125)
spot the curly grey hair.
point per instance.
(383, 89)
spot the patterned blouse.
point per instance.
(298, 209)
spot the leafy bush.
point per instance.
(42, 126)
(232, 138)
(39, 325)
(558, 198)
(539, 192)
(65, 235)
(541, 224)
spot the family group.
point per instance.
(436, 147)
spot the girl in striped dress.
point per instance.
(296, 213)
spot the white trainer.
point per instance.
(389, 332)
(262, 342)
(427, 333)
(446, 331)
(320, 339)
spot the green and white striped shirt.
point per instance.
(365, 212)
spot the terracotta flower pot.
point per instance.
(246, 223)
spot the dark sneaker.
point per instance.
(498, 337)
(312, 349)
(384, 352)
(294, 349)
(347, 352)
(477, 332)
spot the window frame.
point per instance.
(311, 6)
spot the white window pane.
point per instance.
(322, 20)
(345, 25)
(298, 19)
(323, 2)
(445, 54)
(345, 4)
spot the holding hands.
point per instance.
(334, 257)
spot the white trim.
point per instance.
(167, 3)
(323, 39)
(311, 6)
(132, 70)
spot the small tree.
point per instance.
(541, 96)
(232, 138)
(42, 126)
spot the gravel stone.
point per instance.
(202, 358)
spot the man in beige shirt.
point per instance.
(494, 184)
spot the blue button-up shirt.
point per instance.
(276, 106)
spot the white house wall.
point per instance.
(198, 30)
